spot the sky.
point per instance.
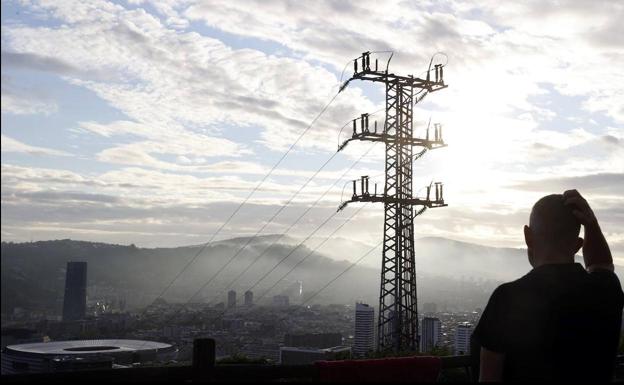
(149, 122)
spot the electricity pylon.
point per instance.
(398, 314)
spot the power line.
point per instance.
(190, 262)
(295, 222)
(249, 239)
(186, 266)
(298, 219)
(198, 291)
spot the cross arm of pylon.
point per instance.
(362, 194)
(365, 131)
(362, 70)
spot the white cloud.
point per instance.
(24, 100)
(12, 145)
(13, 104)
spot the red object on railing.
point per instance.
(400, 369)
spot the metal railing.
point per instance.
(205, 369)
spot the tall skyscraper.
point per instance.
(462, 338)
(431, 332)
(75, 298)
(364, 329)
(249, 298)
(231, 299)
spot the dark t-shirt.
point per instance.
(556, 323)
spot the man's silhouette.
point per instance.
(560, 321)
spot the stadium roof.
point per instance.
(83, 347)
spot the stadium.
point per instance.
(43, 357)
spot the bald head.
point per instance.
(555, 229)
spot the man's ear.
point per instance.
(579, 244)
(528, 239)
(528, 236)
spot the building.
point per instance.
(55, 356)
(431, 334)
(75, 298)
(462, 338)
(280, 300)
(304, 356)
(364, 339)
(313, 340)
(249, 298)
(231, 301)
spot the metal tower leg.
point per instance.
(398, 316)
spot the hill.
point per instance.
(450, 273)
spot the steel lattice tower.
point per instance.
(398, 314)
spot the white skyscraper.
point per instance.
(462, 338)
(431, 333)
(364, 329)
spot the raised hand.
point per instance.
(596, 251)
(580, 207)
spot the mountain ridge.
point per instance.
(454, 272)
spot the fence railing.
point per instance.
(205, 369)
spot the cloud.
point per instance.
(20, 100)
(595, 183)
(37, 62)
(184, 81)
(517, 46)
(172, 162)
(12, 145)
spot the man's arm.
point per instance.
(596, 253)
(491, 367)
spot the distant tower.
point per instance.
(75, 298)
(231, 299)
(249, 298)
(462, 338)
(364, 329)
(431, 332)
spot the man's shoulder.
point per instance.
(607, 281)
(516, 284)
(503, 290)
